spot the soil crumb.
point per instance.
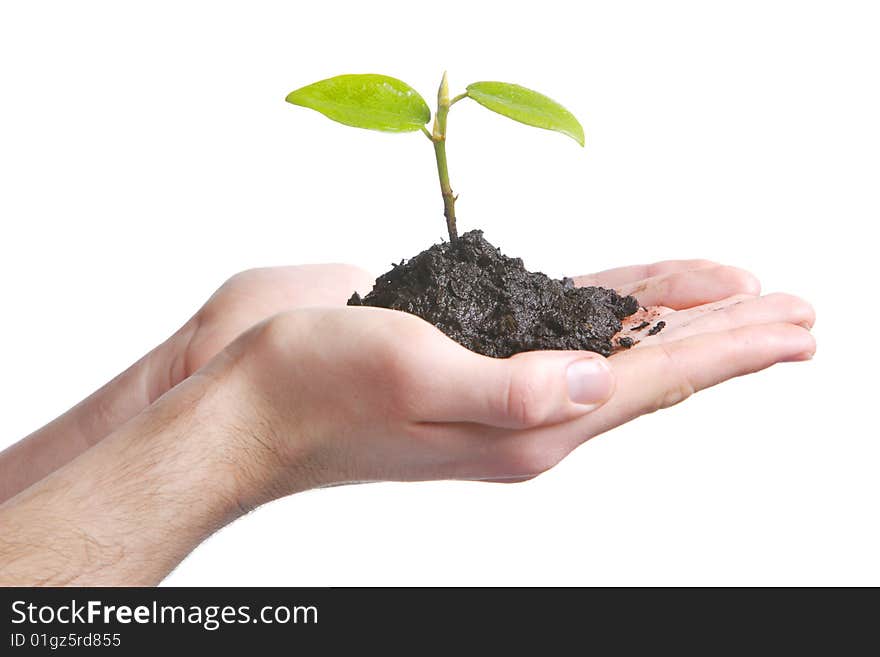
(659, 326)
(640, 326)
(626, 343)
(492, 305)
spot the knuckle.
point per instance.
(797, 310)
(242, 276)
(523, 404)
(399, 374)
(674, 394)
(213, 307)
(806, 314)
(678, 386)
(273, 336)
(741, 280)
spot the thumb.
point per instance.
(526, 390)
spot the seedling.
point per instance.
(466, 287)
(380, 102)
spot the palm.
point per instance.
(691, 296)
(694, 297)
(717, 327)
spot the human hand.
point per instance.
(693, 297)
(382, 395)
(322, 396)
(717, 326)
(244, 300)
(251, 296)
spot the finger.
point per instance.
(692, 288)
(526, 390)
(657, 377)
(614, 278)
(647, 380)
(734, 312)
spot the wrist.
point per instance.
(259, 445)
(145, 497)
(100, 414)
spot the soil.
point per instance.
(491, 304)
(659, 326)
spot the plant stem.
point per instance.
(439, 138)
(446, 189)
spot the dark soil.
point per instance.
(659, 326)
(492, 305)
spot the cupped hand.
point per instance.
(244, 300)
(361, 394)
(248, 298)
(717, 326)
(251, 296)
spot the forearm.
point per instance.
(131, 508)
(94, 418)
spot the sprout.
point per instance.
(380, 102)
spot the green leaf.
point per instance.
(526, 106)
(374, 102)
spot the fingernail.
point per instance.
(589, 381)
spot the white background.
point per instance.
(146, 154)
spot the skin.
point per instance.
(243, 405)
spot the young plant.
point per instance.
(380, 102)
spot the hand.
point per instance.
(694, 297)
(248, 298)
(383, 395)
(717, 327)
(322, 396)
(244, 300)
